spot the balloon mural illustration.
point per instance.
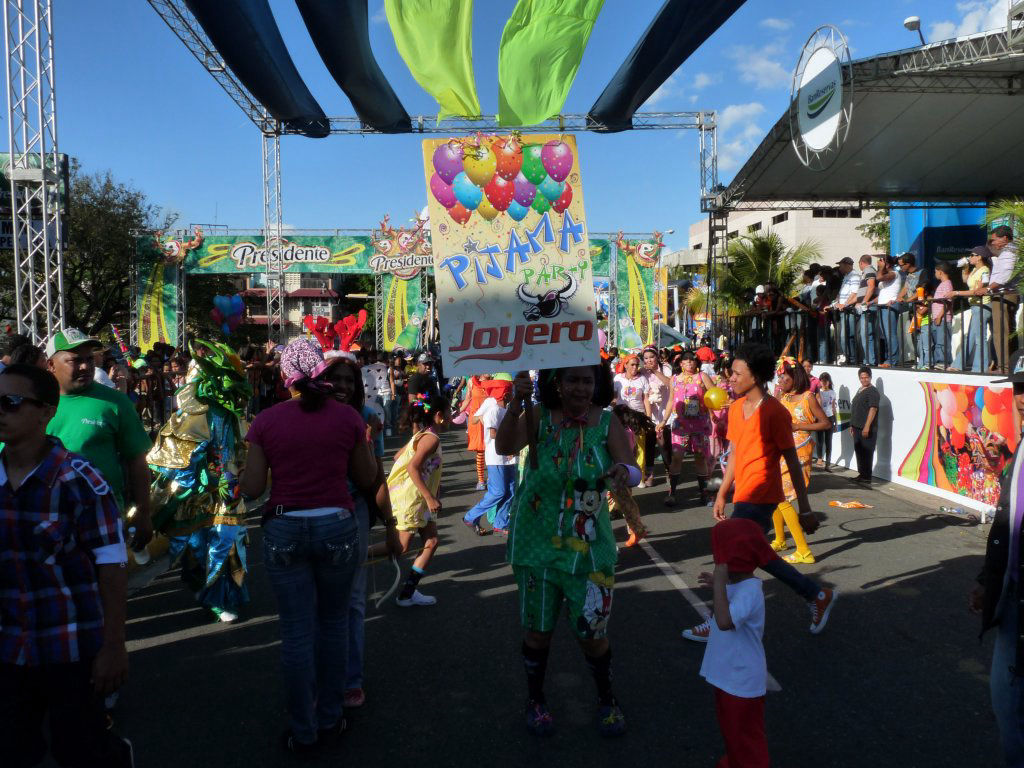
(966, 440)
(227, 312)
(495, 175)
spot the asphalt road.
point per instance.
(898, 678)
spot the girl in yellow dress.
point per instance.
(413, 485)
(795, 394)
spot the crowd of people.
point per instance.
(297, 432)
(962, 315)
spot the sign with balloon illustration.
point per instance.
(227, 312)
(512, 263)
(966, 441)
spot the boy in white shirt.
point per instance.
(501, 470)
(734, 661)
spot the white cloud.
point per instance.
(664, 91)
(975, 16)
(780, 25)
(761, 66)
(739, 133)
(380, 16)
(703, 80)
(693, 98)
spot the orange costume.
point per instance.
(477, 395)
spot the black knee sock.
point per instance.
(601, 669)
(411, 582)
(673, 481)
(536, 662)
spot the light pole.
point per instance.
(913, 23)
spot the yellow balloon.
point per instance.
(486, 210)
(990, 420)
(480, 164)
(715, 398)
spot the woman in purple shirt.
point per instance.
(311, 444)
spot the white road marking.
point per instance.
(691, 597)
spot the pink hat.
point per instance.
(302, 359)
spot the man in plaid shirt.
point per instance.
(62, 588)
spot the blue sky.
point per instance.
(131, 99)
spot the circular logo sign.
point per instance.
(821, 99)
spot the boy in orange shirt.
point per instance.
(761, 433)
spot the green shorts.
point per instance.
(587, 597)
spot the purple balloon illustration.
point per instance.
(557, 159)
(516, 211)
(448, 161)
(442, 191)
(524, 190)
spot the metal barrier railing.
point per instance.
(974, 337)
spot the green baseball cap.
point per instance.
(66, 340)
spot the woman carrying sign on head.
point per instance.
(561, 546)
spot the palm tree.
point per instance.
(754, 259)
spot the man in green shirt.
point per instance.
(101, 424)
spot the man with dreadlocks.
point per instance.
(197, 458)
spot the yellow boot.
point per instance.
(803, 555)
(779, 543)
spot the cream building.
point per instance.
(833, 229)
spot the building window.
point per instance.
(818, 213)
(855, 213)
(698, 246)
(780, 218)
(731, 235)
(754, 227)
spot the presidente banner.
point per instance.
(157, 288)
(245, 254)
(637, 308)
(511, 255)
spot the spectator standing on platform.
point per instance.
(914, 281)
(844, 303)
(890, 283)
(976, 339)
(864, 425)
(942, 316)
(63, 583)
(867, 298)
(1002, 283)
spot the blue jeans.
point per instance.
(978, 338)
(357, 602)
(923, 342)
(1007, 687)
(866, 335)
(780, 569)
(497, 500)
(890, 320)
(847, 335)
(941, 336)
(311, 562)
(823, 333)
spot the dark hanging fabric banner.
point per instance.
(341, 34)
(678, 30)
(246, 35)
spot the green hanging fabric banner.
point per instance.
(540, 53)
(435, 39)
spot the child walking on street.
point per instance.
(734, 661)
(622, 500)
(413, 485)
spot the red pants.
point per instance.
(742, 724)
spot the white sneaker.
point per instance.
(699, 633)
(417, 598)
(227, 616)
(641, 484)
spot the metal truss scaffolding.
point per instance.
(35, 168)
(272, 235)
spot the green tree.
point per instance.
(876, 229)
(755, 259)
(104, 217)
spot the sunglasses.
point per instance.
(13, 403)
